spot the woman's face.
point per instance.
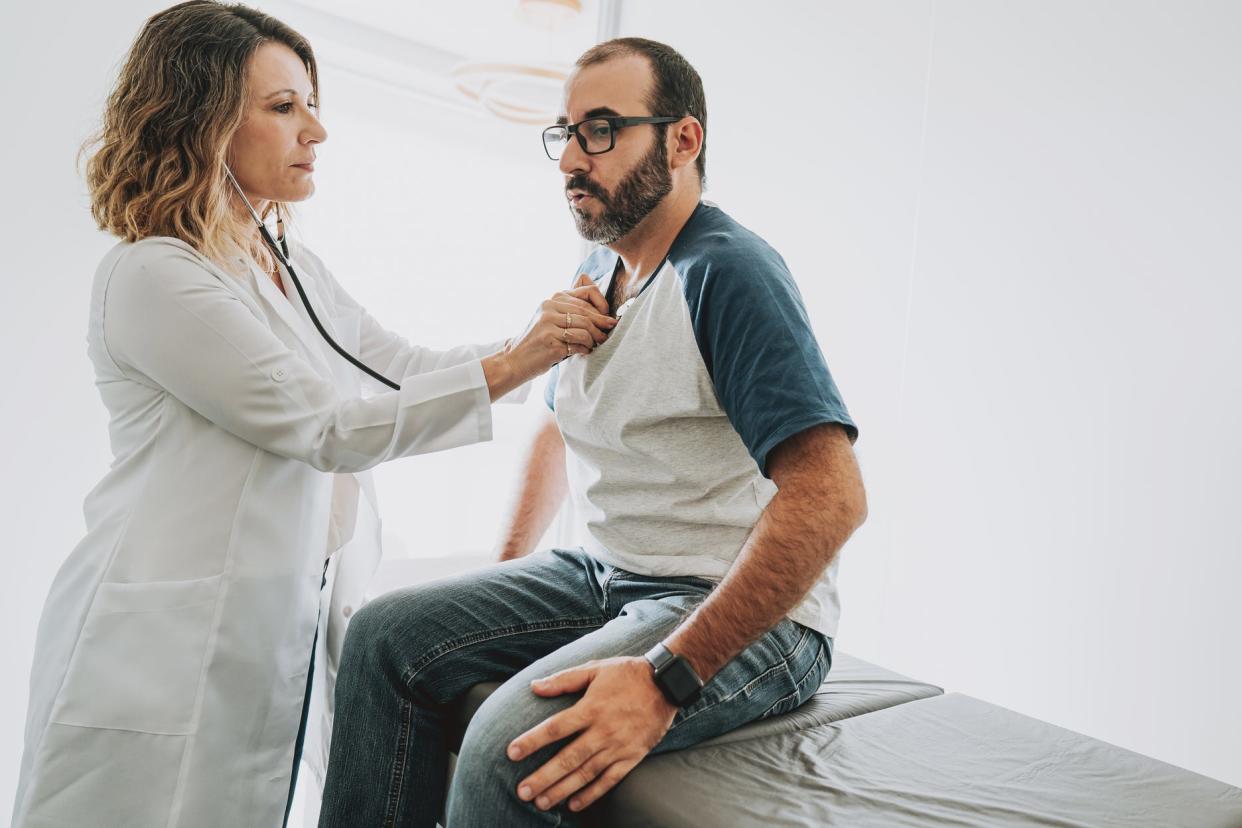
(272, 151)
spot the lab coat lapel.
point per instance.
(292, 313)
(346, 375)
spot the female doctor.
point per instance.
(237, 525)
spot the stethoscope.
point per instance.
(281, 253)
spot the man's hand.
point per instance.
(620, 719)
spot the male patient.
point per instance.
(707, 449)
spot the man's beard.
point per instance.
(635, 197)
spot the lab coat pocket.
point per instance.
(139, 660)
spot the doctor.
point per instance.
(237, 525)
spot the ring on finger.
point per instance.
(565, 335)
(569, 321)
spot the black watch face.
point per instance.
(680, 682)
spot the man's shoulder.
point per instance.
(717, 256)
(714, 247)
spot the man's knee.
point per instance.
(508, 713)
(381, 634)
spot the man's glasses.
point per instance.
(595, 135)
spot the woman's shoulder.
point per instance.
(135, 254)
(164, 259)
(154, 265)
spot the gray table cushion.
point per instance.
(949, 760)
(853, 687)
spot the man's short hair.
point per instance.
(677, 90)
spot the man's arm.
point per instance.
(819, 504)
(539, 494)
(622, 714)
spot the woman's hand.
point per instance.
(570, 322)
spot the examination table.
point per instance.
(875, 749)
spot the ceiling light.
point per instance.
(549, 15)
(521, 92)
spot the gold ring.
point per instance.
(567, 351)
(564, 334)
(569, 321)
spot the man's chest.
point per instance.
(649, 368)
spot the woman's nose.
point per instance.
(314, 133)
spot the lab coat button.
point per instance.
(279, 374)
(347, 610)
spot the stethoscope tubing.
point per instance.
(281, 253)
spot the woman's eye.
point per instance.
(287, 107)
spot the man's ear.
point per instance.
(686, 140)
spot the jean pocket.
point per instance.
(705, 584)
(806, 666)
(783, 705)
(138, 661)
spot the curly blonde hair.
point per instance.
(158, 161)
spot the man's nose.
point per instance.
(573, 160)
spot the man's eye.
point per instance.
(601, 131)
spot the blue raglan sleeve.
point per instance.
(755, 337)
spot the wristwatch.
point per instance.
(674, 676)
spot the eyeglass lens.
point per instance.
(597, 133)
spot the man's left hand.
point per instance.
(621, 717)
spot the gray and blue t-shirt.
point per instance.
(669, 423)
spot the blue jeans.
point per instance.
(411, 654)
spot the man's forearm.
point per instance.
(811, 517)
(540, 491)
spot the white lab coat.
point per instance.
(171, 659)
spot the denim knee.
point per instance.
(377, 642)
(484, 770)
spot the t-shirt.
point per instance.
(669, 423)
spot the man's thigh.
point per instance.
(514, 708)
(443, 637)
(773, 675)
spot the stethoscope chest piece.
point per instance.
(625, 306)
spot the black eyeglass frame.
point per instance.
(615, 122)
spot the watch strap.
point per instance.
(659, 656)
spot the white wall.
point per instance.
(1016, 228)
(1022, 266)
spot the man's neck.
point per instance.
(643, 248)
